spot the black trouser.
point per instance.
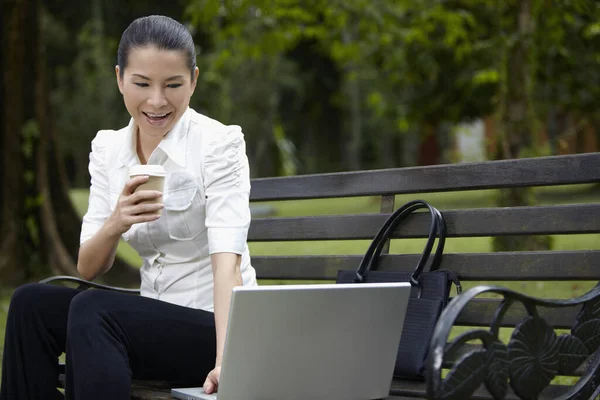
(109, 338)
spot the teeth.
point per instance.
(156, 115)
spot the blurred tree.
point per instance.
(264, 70)
(40, 228)
(394, 65)
(567, 73)
(517, 120)
(464, 59)
(34, 196)
(542, 39)
(438, 58)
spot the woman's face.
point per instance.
(156, 87)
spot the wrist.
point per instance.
(111, 228)
(218, 360)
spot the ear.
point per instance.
(196, 74)
(119, 80)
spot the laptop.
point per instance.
(334, 341)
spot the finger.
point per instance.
(145, 208)
(133, 184)
(138, 219)
(145, 195)
(209, 386)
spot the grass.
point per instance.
(473, 199)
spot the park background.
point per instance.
(317, 86)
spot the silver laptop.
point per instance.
(334, 341)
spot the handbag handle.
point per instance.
(437, 226)
(379, 240)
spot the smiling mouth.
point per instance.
(157, 117)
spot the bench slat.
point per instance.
(140, 393)
(481, 311)
(555, 170)
(582, 218)
(509, 266)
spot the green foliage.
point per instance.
(569, 57)
(399, 57)
(345, 81)
(414, 62)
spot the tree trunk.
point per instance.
(40, 228)
(517, 124)
(18, 52)
(429, 147)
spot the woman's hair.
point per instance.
(156, 30)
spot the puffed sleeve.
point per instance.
(99, 202)
(227, 185)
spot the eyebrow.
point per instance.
(168, 79)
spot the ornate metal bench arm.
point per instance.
(83, 284)
(532, 358)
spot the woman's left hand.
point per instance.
(211, 384)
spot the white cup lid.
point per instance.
(147, 169)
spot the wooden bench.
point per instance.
(465, 348)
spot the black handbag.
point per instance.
(430, 289)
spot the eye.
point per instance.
(174, 85)
(141, 84)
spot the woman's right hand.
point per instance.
(135, 207)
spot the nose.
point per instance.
(157, 98)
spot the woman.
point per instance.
(194, 253)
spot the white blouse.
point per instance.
(206, 199)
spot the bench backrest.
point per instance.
(416, 182)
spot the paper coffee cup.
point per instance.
(156, 178)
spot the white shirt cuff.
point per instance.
(227, 240)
